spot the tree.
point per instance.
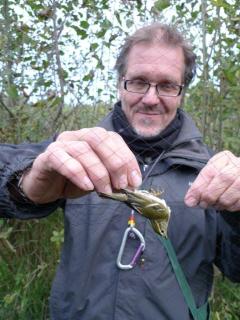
(56, 72)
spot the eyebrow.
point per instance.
(141, 76)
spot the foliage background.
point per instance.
(56, 73)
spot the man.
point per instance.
(146, 142)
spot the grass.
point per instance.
(26, 274)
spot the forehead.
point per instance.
(155, 61)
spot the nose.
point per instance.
(151, 96)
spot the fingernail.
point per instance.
(123, 182)
(88, 183)
(108, 189)
(203, 204)
(191, 202)
(136, 178)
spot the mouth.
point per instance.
(150, 113)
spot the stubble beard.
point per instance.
(144, 126)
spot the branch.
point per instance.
(56, 35)
(6, 108)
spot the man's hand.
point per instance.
(81, 161)
(218, 184)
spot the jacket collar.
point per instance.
(187, 147)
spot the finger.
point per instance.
(204, 189)
(77, 135)
(224, 187)
(49, 173)
(233, 208)
(113, 152)
(93, 166)
(77, 163)
(60, 160)
(119, 161)
(193, 196)
(116, 156)
(230, 196)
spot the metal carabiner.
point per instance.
(140, 249)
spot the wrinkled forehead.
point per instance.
(155, 60)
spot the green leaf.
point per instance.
(129, 23)
(106, 24)
(88, 77)
(48, 83)
(27, 58)
(194, 14)
(220, 3)
(100, 65)
(229, 41)
(105, 4)
(160, 5)
(80, 32)
(84, 24)
(230, 75)
(94, 46)
(117, 15)
(212, 25)
(101, 33)
(45, 64)
(12, 91)
(63, 73)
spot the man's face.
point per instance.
(149, 113)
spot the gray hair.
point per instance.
(158, 33)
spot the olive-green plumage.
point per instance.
(147, 204)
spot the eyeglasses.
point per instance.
(166, 89)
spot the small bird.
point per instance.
(147, 204)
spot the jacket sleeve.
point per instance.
(228, 245)
(14, 159)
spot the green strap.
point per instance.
(197, 313)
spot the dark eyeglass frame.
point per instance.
(180, 86)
